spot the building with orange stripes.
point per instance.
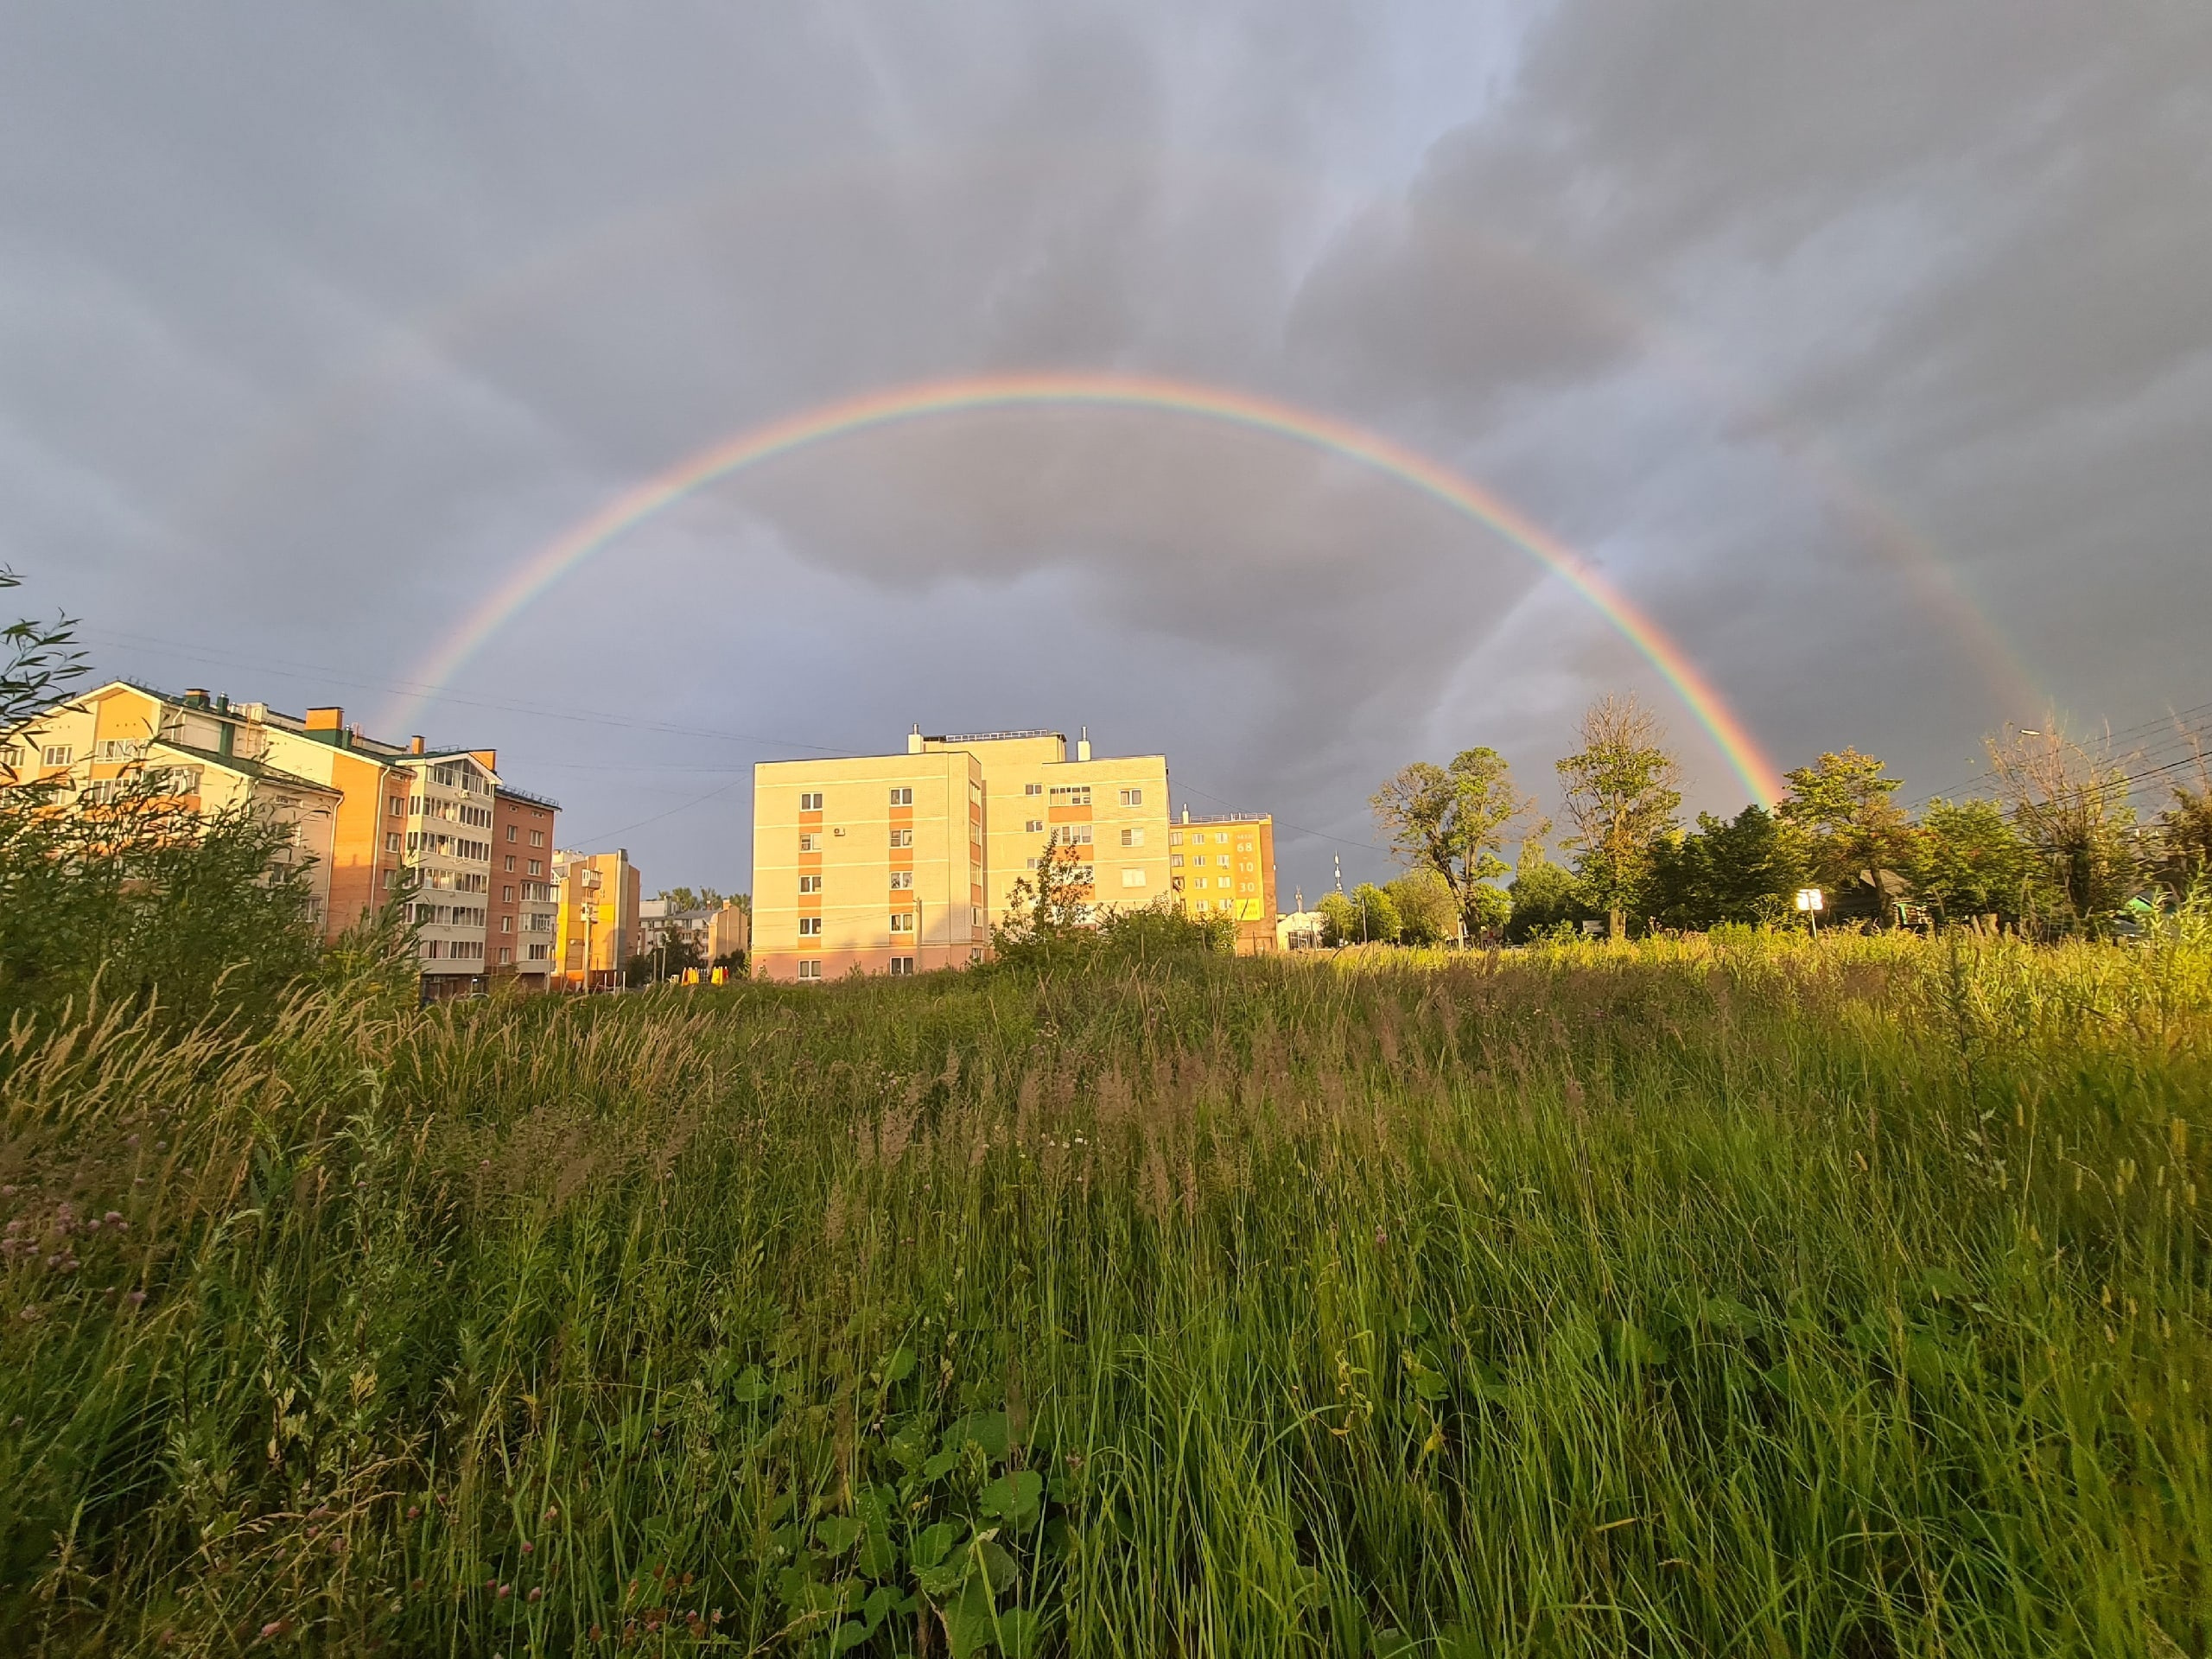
(900, 863)
(372, 822)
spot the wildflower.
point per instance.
(529, 1549)
(535, 1594)
(132, 1141)
(552, 1515)
(595, 1633)
(414, 1511)
(136, 1299)
(274, 1627)
(506, 1590)
(1381, 1238)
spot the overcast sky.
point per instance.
(1868, 348)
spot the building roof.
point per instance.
(244, 768)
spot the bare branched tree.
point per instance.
(2069, 800)
(1620, 796)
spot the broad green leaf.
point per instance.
(1021, 1633)
(985, 1429)
(751, 1387)
(848, 1634)
(1014, 1497)
(942, 1464)
(899, 1365)
(933, 1545)
(837, 1533)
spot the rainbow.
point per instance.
(1094, 389)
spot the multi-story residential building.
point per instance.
(524, 929)
(379, 822)
(1223, 864)
(598, 898)
(713, 931)
(900, 863)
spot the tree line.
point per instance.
(2057, 846)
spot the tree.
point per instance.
(1620, 797)
(41, 658)
(1967, 860)
(2185, 832)
(1743, 869)
(1366, 915)
(1842, 803)
(1453, 820)
(692, 898)
(1543, 895)
(2071, 805)
(1046, 912)
(1427, 912)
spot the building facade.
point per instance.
(901, 863)
(375, 822)
(523, 929)
(1224, 865)
(598, 898)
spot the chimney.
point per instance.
(1187, 811)
(196, 697)
(914, 742)
(226, 738)
(325, 723)
(414, 744)
(1083, 744)
(222, 703)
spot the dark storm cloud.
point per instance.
(308, 330)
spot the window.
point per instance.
(810, 884)
(1032, 863)
(1198, 858)
(390, 878)
(537, 837)
(1132, 837)
(809, 842)
(513, 833)
(1033, 789)
(1032, 826)
(1176, 882)
(1133, 797)
(541, 953)
(11, 756)
(391, 841)
(506, 956)
(1133, 876)
(1072, 834)
(1175, 860)
(902, 837)
(902, 921)
(974, 915)
(1072, 794)
(507, 894)
(902, 880)
(510, 863)
(537, 868)
(810, 801)
(902, 796)
(976, 955)
(1222, 837)
(809, 927)
(56, 754)
(809, 969)
(901, 967)
(506, 924)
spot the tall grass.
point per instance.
(1736, 1296)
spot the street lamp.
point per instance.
(1810, 900)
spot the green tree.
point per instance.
(1843, 804)
(1969, 860)
(2185, 838)
(1543, 895)
(1428, 912)
(1454, 820)
(1741, 869)
(1049, 911)
(1620, 796)
(692, 898)
(1366, 915)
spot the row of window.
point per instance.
(1175, 859)
(444, 846)
(535, 953)
(453, 950)
(809, 968)
(449, 915)
(810, 800)
(1198, 838)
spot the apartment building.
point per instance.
(714, 930)
(901, 863)
(598, 896)
(375, 820)
(522, 930)
(1223, 864)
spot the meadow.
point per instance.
(1731, 1295)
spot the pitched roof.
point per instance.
(244, 768)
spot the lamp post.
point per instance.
(1810, 900)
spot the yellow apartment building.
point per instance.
(599, 895)
(901, 863)
(1223, 864)
(376, 819)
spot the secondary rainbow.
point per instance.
(898, 405)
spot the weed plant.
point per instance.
(1726, 1296)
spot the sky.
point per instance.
(1866, 350)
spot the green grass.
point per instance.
(1732, 1298)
